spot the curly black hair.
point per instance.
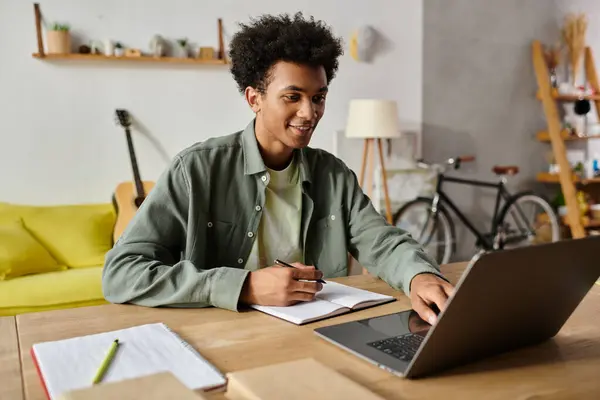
(268, 39)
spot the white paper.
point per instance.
(143, 350)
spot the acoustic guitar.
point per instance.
(128, 196)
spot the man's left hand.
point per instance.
(426, 290)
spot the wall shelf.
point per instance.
(42, 55)
(547, 177)
(591, 223)
(140, 59)
(569, 97)
(587, 222)
(544, 136)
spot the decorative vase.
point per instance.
(181, 51)
(59, 42)
(157, 46)
(119, 51)
(109, 48)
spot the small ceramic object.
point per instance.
(119, 50)
(181, 49)
(109, 48)
(96, 47)
(157, 46)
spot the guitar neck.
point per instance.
(136, 173)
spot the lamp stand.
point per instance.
(388, 207)
(366, 147)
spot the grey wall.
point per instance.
(479, 94)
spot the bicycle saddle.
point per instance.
(505, 169)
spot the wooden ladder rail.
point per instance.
(567, 184)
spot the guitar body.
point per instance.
(128, 196)
(124, 201)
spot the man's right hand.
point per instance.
(280, 286)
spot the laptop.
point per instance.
(504, 300)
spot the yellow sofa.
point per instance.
(51, 257)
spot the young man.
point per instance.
(225, 209)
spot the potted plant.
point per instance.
(119, 49)
(182, 49)
(59, 39)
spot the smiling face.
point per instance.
(290, 108)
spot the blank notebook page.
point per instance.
(146, 349)
(301, 312)
(348, 296)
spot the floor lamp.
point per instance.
(373, 120)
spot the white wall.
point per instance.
(58, 139)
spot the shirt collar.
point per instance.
(253, 162)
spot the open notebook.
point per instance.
(71, 364)
(334, 299)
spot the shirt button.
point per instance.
(209, 224)
(240, 261)
(333, 217)
(250, 234)
(258, 208)
(263, 178)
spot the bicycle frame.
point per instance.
(501, 193)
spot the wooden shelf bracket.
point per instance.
(38, 28)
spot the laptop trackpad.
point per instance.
(398, 324)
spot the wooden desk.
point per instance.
(10, 366)
(566, 367)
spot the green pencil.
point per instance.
(106, 362)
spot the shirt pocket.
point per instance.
(328, 248)
(220, 247)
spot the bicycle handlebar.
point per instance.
(454, 161)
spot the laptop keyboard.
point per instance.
(402, 347)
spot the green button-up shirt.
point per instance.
(188, 243)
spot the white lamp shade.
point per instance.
(371, 118)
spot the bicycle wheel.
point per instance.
(527, 219)
(434, 231)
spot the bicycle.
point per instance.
(427, 218)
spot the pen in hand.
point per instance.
(284, 264)
(106, 362)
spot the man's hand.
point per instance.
(280, 286)
(426, 290)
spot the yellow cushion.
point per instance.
(50, 291)
(77, 235)
(21, 254)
